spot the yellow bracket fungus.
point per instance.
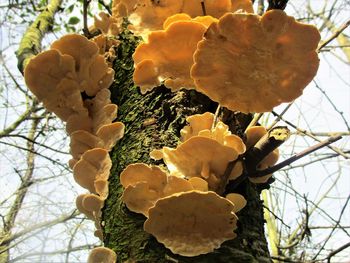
(167, 56)
(108, 25)
(145, 185)
(94, 165)
(58, 78)
(193, 222)
(252, 64)
(147, 15)
(102, 255)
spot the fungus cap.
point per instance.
(78, 122)
(168, 56)
(196, 123)
(199, 157)
(101, 187)
(92, 72)
(267, 162)
(99, 234)
(110, 134)
(204, 20)
(106, 137)
(253, 134)
(101, 110)
(80, 207)
(221, 134)
(202, 125)
(82, 141)
(238, 200)
(94, 164)
(92, 202)
(65, 100)
(140, 172)
(72, 162)
(46, 70)
(199, 184)
(251, 64)
(146, 184)
(139, 197)
(192, 223)
(177, 185)
(237, 170)
(102, 255)
(107, 24)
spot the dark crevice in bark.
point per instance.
(153, 121)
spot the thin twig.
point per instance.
(276, 216)
(277, 4)
(85, 11)
(295, 157)
(266, 145)
(335, 149)
(278, 117)
(334, 36)
(204, 11)
(216, 117)
(255, 120)
(225, 178)
(333, 105)
(337, 251)
(261, 7)
(332, 231)
(101, 2)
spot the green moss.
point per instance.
(123, 230)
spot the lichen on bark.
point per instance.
(123, 230)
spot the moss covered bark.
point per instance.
(152, 121)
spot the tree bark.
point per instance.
(152, 121)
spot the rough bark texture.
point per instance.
(153, 121)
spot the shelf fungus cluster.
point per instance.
(72, 80)
(177, 209)
(183, 208)
(183, 203)
(148, 15)
(241, 60)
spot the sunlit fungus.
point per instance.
(102, 255)
(167, 56)
(92, 72)
(199, 157)
(145, 185)
(202, 125)
(252, 64)
(193, 222)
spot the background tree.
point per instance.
(297, 204)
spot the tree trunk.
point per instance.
(153, 121)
